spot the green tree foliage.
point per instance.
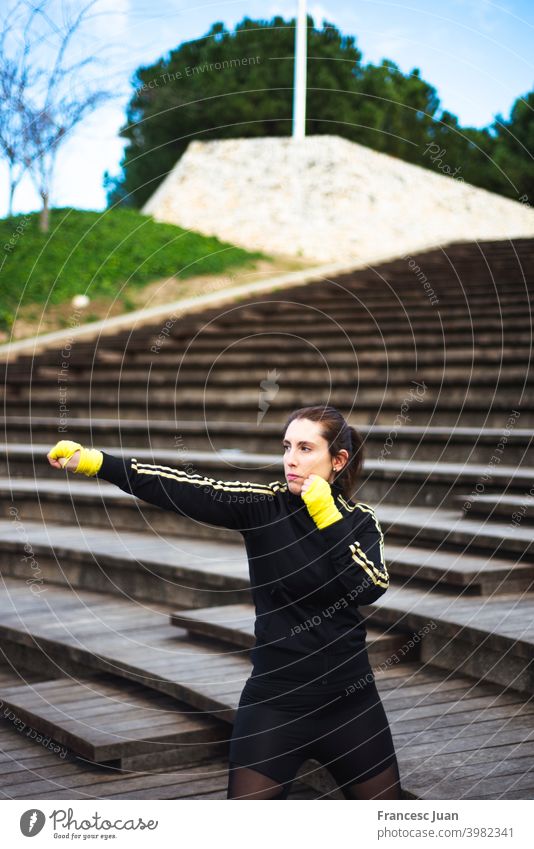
(515, 149)
(240, 84)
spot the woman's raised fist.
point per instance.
(71, 456)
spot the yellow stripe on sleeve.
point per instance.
(183, 477)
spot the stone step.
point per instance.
(224, 376)
(356, 291)
(461, 573)
(105, 719)
(513, 508)
(448, 530)
(97, 504)
(340, 356)
(491, 639)
(181, 571)
(245, 407)
(363, 319)
(458, 724)
(401, 343)
(131, 377)
(364, 323)
(410, 482)
(402, 482)
(50, 362)
(328, 297)
(453, 444)
(494, 337)
(420, 394)
(378, 302)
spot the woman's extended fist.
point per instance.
(65, 455)
(70, 455)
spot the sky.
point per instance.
(477, 53)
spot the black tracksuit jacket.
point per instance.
(307, 584)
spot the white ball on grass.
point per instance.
(80, 301)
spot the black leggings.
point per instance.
(348, 733)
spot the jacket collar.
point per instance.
(336, 488)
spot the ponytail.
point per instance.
(349, 476)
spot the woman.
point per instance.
(314, 557)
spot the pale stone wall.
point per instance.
(328, 199)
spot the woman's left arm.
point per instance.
(239, 505)
(355, 542)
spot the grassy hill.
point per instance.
(105, 255)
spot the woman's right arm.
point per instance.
(240, 505)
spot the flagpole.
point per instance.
(299, 83)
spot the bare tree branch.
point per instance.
(15, 79)
(38, 109)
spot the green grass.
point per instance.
(99, 254)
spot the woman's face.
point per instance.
(306, 453)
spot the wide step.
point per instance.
(105, 719)
(461, 444)
(514, 509)
(492, 640)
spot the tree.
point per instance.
(240, 84)
(46, 94)
(515, 149)
(15, 79)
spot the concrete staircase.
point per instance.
(139, 604)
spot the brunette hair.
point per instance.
(339, 435)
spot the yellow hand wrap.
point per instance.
(90, 458)
(320, 503)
